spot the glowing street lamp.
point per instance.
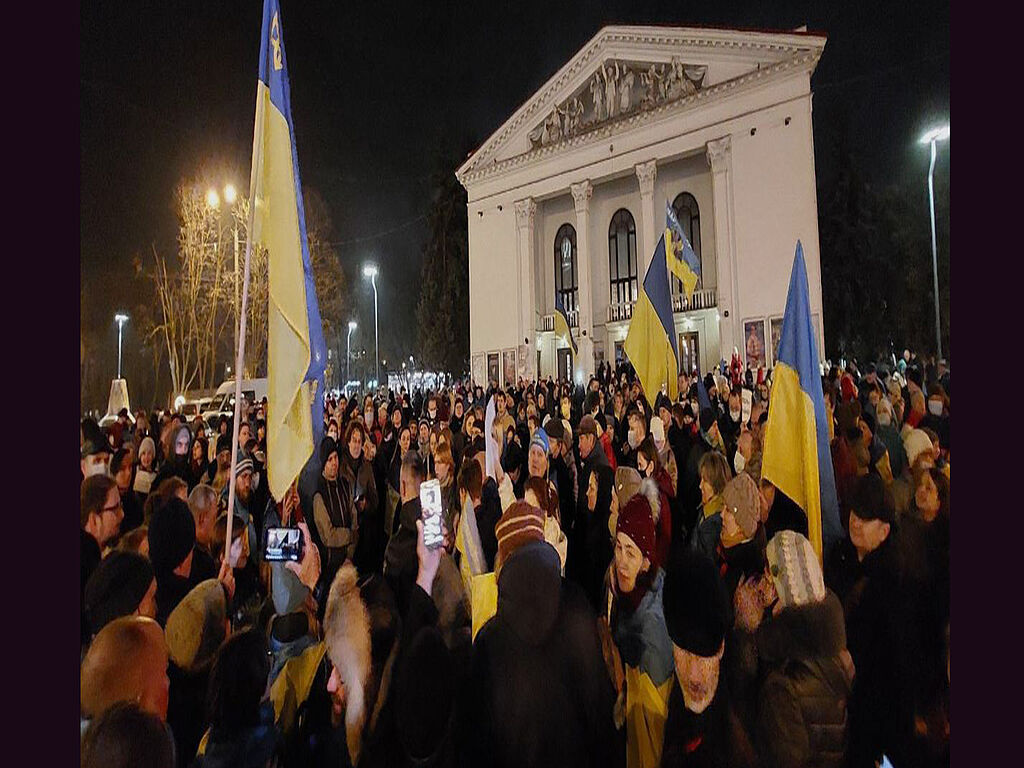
(348, 355)
(212, 198)
(120, 318)
(370, 271)
(931, 137)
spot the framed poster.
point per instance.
(479, 370)
(753, 343)
(508, 368)
(493, 369)
(775, 333)
(522, 361)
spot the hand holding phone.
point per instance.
(430, 514)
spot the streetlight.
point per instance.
(936, 134)
(213, 201)
(120, 318)
(370, 271)
(348, 354)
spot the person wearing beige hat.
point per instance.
(740, 551)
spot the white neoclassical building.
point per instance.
(568, 198)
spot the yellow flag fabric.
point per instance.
(646, 713)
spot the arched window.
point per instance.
(622, 257)
(566, 282)
(685, 206)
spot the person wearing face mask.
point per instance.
(730, 426)
(634, 615)
(937, 418)
(635, 434)
(703, 726)
(96, 450)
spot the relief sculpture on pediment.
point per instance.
(616, 89)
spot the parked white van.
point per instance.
(223, 402)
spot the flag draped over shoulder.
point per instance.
(797, 459)
(682, 261)
(562, 324)
(296, 351)
(650, 343)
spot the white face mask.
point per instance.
(735, 415)
(884, 419)
(96, 469)
(935, 407)
(432, 412)
(368, 418)
(634, 441)
(739, 462)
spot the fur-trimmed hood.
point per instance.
(649, 490)
(347, 634)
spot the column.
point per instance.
(646, 173)
(719, 153)
(526, 212)
(581, 194)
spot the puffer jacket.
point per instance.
(802, 718)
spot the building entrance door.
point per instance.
(689, 352)
(565, 364)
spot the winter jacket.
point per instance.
(256, 747)
(802, 718)
(689, 488)
(709, 527)
(538, 691)
(715, 738)
(663, 516)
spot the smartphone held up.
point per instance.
(283, 544)
(431, 514)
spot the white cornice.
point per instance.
(789, 50)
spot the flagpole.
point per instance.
(257, 165)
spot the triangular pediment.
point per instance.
(625, 72)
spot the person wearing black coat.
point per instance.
(538, 693)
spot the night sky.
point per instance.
(168, 90)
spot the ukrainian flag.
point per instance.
(650, 342)
(296, 353)
(797, 459)
(682, 261)
(562, 324)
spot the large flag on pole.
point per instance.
(296, 351)
(797, 459)
(650, 341)
(682, 261)
(562, 324)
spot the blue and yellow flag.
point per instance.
(562, 324)
(296, 353)
(797, 459)
(682, 261)
(650, 341)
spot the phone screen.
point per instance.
(283, 544)
(430, 503)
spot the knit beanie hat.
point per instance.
(553, 429)
(740, 496)
(915, 442)
(707, 418)
(286, 589)
(172, 534)
(147, 444)
(521, 523)
(697, 612)
(627, 484)
(224, 443)
(540, 439)
(327, 446)
(635, 521)
(116, 588)
(795, 569)
(197, 627)
(242, 464)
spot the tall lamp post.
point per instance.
(348, 354)
(935, 135)
(370, 271)
(213, 201)
(120, 318)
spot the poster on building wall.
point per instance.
(753, 335)
(508, 368)
(493, 368)
(479, 371)
(522, 362)
(775, 331)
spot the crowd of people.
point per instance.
(618, 584)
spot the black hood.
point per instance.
(529, 592)
(809, 631)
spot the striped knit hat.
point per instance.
(795, 569)
(520, 525)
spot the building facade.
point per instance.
(567, 199)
